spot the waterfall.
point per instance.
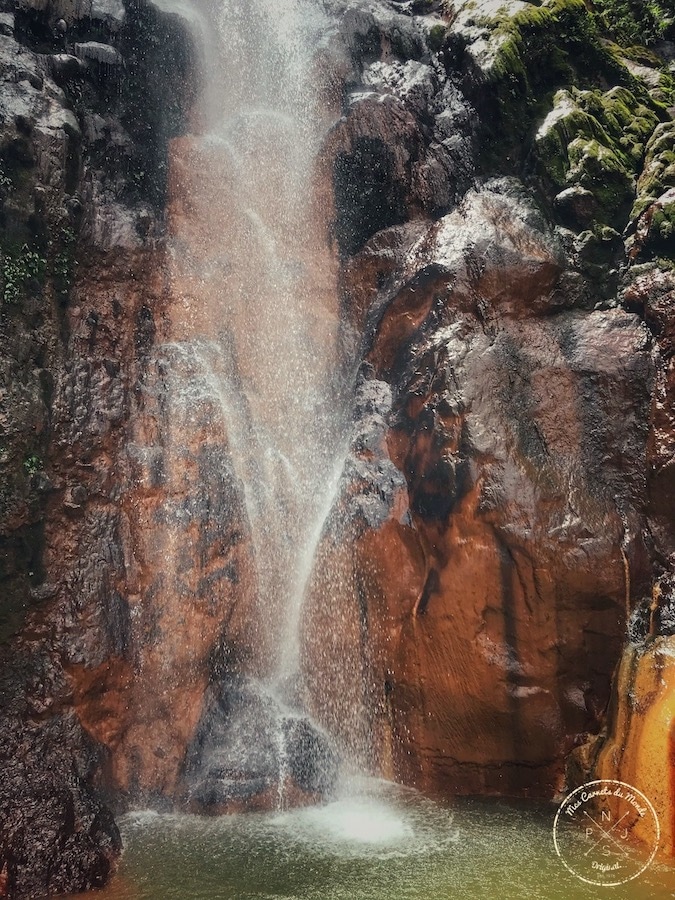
(256, 309)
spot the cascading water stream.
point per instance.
(256, 313)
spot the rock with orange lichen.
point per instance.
(636, 747)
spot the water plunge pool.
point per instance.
(378, 842)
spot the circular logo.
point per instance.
(606, 832)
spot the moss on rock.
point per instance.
(663, 222)
(652, 228)
(596, 140)
(525, 56)
(561, 32)
(658, 173)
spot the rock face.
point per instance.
(505, 514)
(500, 560)
(249, 753)
(499, 498)
(81, 285)
(508, 503)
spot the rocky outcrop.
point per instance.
(501, 517)
(635, 742)
(501, 560)
(249, 752)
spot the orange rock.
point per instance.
(638, 746)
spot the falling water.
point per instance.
(255, 301)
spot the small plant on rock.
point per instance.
(436, 37)
(63, 264)
(5, 183)
(32, 465)
(19, 271)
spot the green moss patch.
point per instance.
(653, 213)
(536, 52)
(22, 271)
(658, 173)
(560, 34)
(597, 140)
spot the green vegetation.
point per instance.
(665, 92)
(552, 114)
(656, 195)
(24, 268)
(658, 173)
(64, 263)
(436, 37)
(635, 22)
(21, 270)
(596, 140)
(32, 465)
(536, 52)
(663, 222)
(557, 40)
(5, 183)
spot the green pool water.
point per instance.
(380, 842)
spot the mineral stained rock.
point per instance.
(499, 180)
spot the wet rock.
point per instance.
(251, 751)
(498, 393)
(636, 740)
(371, 484)
(64, 66)
(310, 757)
(110, 12)
(94, 51)
(7, 24)
(508, 493)
(55, 834)
(384, 165)
(67, 375)
(576, 206)
(654, 229)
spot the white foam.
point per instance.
(360, 821)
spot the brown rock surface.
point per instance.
(498, 576)
(635, 744)
(78, 330)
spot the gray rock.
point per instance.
(7, 24)
(64, 66)
(576, 205)
(247, 741)
(93, 51)
(650, 76)
(111, 12)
